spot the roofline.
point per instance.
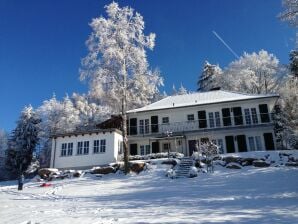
(74, 133)
(166, 108)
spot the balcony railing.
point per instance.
(202, 125)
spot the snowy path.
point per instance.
(242, 196)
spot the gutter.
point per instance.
(55, 146)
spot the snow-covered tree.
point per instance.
(294, 63)
(289, 105)
(116, 65)
(3, 141)
(290, 14)
(117, 52)
(90, 113)
(182, 90)
(210, 77)
(23, 142)
(254, 73)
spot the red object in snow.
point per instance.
(46, 185)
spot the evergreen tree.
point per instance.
(22, 142)
(209, 78)
(182, 90)
(294, 63)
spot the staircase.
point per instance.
(184, 167)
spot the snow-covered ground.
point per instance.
(249, 195)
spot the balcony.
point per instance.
(203, 125)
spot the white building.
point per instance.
(236, 122)
(86, 149)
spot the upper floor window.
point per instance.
(63, 149)
(96, 146)
(120, 147)
(226, 117)
(86, 147)
(190, 117)
(102, 145)
(264, 114)
(247, 116)
(165, 120)
(80, 148)
(144, 126)
(217, 119)
(254, 115)
(69, 149)
(211, 119)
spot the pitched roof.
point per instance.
(199, 98)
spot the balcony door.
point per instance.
(154, 124)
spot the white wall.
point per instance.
(85, 160)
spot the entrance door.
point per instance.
(241, 141)
(133, 148)
(191, 146)
(268, 139)
(155, 147)
(230, 144)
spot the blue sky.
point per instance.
(42, 42)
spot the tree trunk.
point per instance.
(124, 122)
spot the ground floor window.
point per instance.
(86, 147)
(144, 149)
(80, 148)
(63, 149)
(255, 143)
(167, 146)
(102, 145)
(69, 149)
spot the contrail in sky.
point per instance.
(227, 46)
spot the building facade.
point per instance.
(82, 150)
(236, 122)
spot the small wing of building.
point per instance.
(86, 149)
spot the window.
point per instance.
(102, 145)
(251, 143)
(96, 146)
(211, 119)
(254, 115)
(80, 148)
(226, 117)
(202, 119)
(144, 126)
(258, 143)
(147, 147)
(63, 149)
(217, 119)
(190, 117)
(220, 145)
(247, 116)
(142, 149)
(141, 127)
(263, 108)
(167, 146)
(86, 147)
(120, 147)
(69, 149)
(165, 120)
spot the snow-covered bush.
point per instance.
(171, 173)
(193, 172)
(157, 156)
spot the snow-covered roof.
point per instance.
(201, 98)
